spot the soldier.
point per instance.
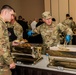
(50, 32)
(6, 61)
(15, 29)
(54, 21)
(73, 25)
(68, 21)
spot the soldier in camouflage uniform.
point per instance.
(16, 28)
(6, 61)
(72, 25)
(50, 32)
(66, 21)
(69, 21)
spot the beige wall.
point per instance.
(47, 5)
(72, 9)
(63, 9)
(32, 8)
(14, 3)
(54, 10)
(29, 9)
(59, 8)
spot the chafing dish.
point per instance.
(27, 53)
(62, 56)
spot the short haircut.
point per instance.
(67, 15)
(6, 7)
(53, 19)
(71, 18)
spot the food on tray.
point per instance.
(17, 41)
(25, 45)
(63, 48)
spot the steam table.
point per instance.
(41, 68)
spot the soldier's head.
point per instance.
(19, 17)
(67, 16)
(6, 13)
(53, 19)
(71, 18)
(47, 18)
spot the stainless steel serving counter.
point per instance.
(40, 68)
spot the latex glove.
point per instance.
(68, 38)
(30, 32)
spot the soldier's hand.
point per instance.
(68, 38)
(15, 43)
(30, 32)
(12, 66)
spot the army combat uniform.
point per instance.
(50, 33)
(5, 56)
(15, 31)
(69, 22)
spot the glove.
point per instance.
(68, 38)
(30, 32)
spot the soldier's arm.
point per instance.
(69, 31)
(4, 47)
(18, 31)
(37, 29)
(65, 28)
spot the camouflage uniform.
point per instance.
(69, 22)
(5, 56)
(50, 33)
(18, 31)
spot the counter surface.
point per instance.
(42, 64)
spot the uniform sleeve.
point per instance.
(64, 22)
(64, 28)
(18, 30)
(4, 45)
(73, 25)
(37, 29)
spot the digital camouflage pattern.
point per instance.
(5, 56)
(51, 33)
(18, 31)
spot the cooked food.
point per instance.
(17, 41)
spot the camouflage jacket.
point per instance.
(69, 22)
(18, 31)
(5, 56)
(50, 33)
